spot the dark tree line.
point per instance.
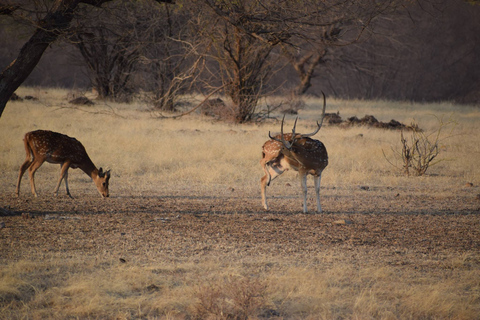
(424, 53)
(425, 50)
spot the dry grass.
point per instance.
(195, 150)
(197, 157)
(105, 289)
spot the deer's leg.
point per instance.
(23, 168)
(271, 172)
(31, 172)
(317, 180)
(303, 182)
(27, 163)
(264, 182)
(63, 175)
(65, 178)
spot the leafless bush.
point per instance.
(420, 151)
(290, 105)
(236, 298)
(293, 104)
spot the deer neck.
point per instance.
(295, 158)
(295, 162)
(89, 168)
(291, 158)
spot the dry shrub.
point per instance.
(10, 288)
(289, 105)
(293, 104)
(420, 150)
(233, 298)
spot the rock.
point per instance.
(290, 111)
(15, 97)
(342, 222)
(82, 101)
(333, 118)
(153, 288)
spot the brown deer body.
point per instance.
(298, 152)
(53, 147)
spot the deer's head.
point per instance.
(101, 181)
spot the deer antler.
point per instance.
(282, 140)
(320, 122)
(289, 145)
(273, 138)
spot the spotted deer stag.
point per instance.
(298, 152)
(53, 147)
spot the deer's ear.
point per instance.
(107, 173)
(100, 171)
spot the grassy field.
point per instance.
(197, 150)
(184, 236)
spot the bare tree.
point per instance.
(171, 62)
(305, 66)
(244, 35)
(244, 66)
(425, 51)
(319, 43)
(54, 23)
(110, 48)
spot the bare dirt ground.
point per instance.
(422, 237)
(390, 225)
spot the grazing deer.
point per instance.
(298, 152)
(53, 147)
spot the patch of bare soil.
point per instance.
(368, 224)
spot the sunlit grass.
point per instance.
(195, 149)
